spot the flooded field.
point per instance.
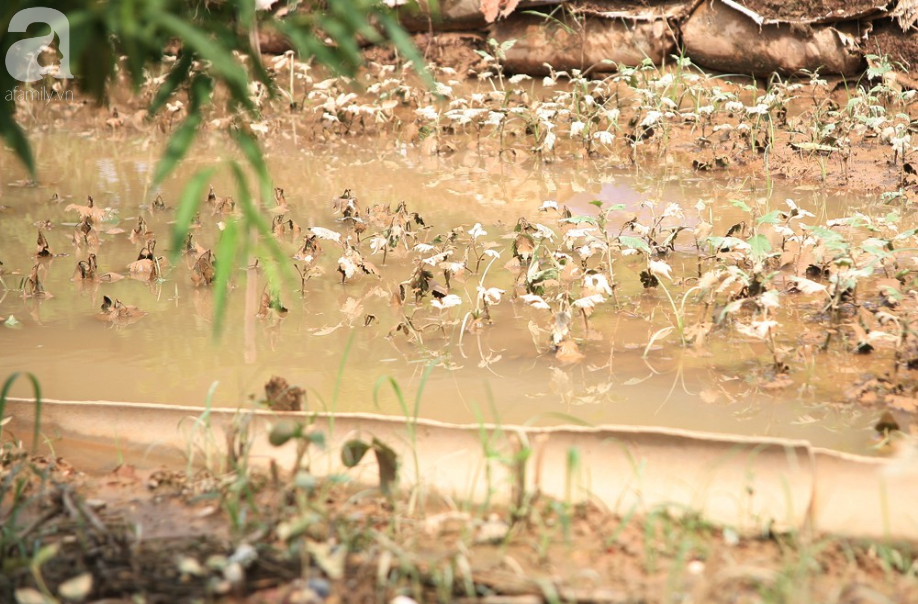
(346, 337)
(657, 274)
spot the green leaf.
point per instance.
(352, 452)
(250, 148)
(305, 481)
(179, 73)
(221, 59)
(728, 243)
(190, 201)
(760, 245)
(36, 390)
(387, 461)
(226, 262)
(293, 528)
(403, 43)
(739, 203)
(283, 431)
(348, 50)
(547, 274)
(316, 438)
(770, 218)
(307, 44)
(45, 554)
(16, 139)
(255, 220)
(177, 147)
(579, 220)
(634, 243)
(833, 240)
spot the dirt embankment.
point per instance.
(756, 37)
(134, 534)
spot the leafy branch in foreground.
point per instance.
(218, 51)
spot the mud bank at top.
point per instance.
(754, 37)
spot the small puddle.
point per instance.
(503, 373)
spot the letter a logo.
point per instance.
(22, 57)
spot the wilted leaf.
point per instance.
(805, 286)
(659, 268)
(447, 302)
(657, 336)
(493, 530)
(44, 554)
(353, 451)
(535, 301)
(330, 558)
(568, 352)
(388, 466)
(77, 588)
(281, 396)
(28, 595)
(190, 566)
(887, 423)
(296, 527)
(327, 234)
(327, 330)
(494, 8)
(387, 460)
(811, 147)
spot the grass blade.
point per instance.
(177, 147)
(402, 41)
(16, 139)
(221, 59)
(36, 389)
(188, 206)
(226, 262)
(178, 74)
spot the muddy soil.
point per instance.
(889, 39)
(813, 10)
(155, 535)
(458, 51)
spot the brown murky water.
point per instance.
(170, 355)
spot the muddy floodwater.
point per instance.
(501, 372)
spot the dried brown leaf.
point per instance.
(493, 9)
